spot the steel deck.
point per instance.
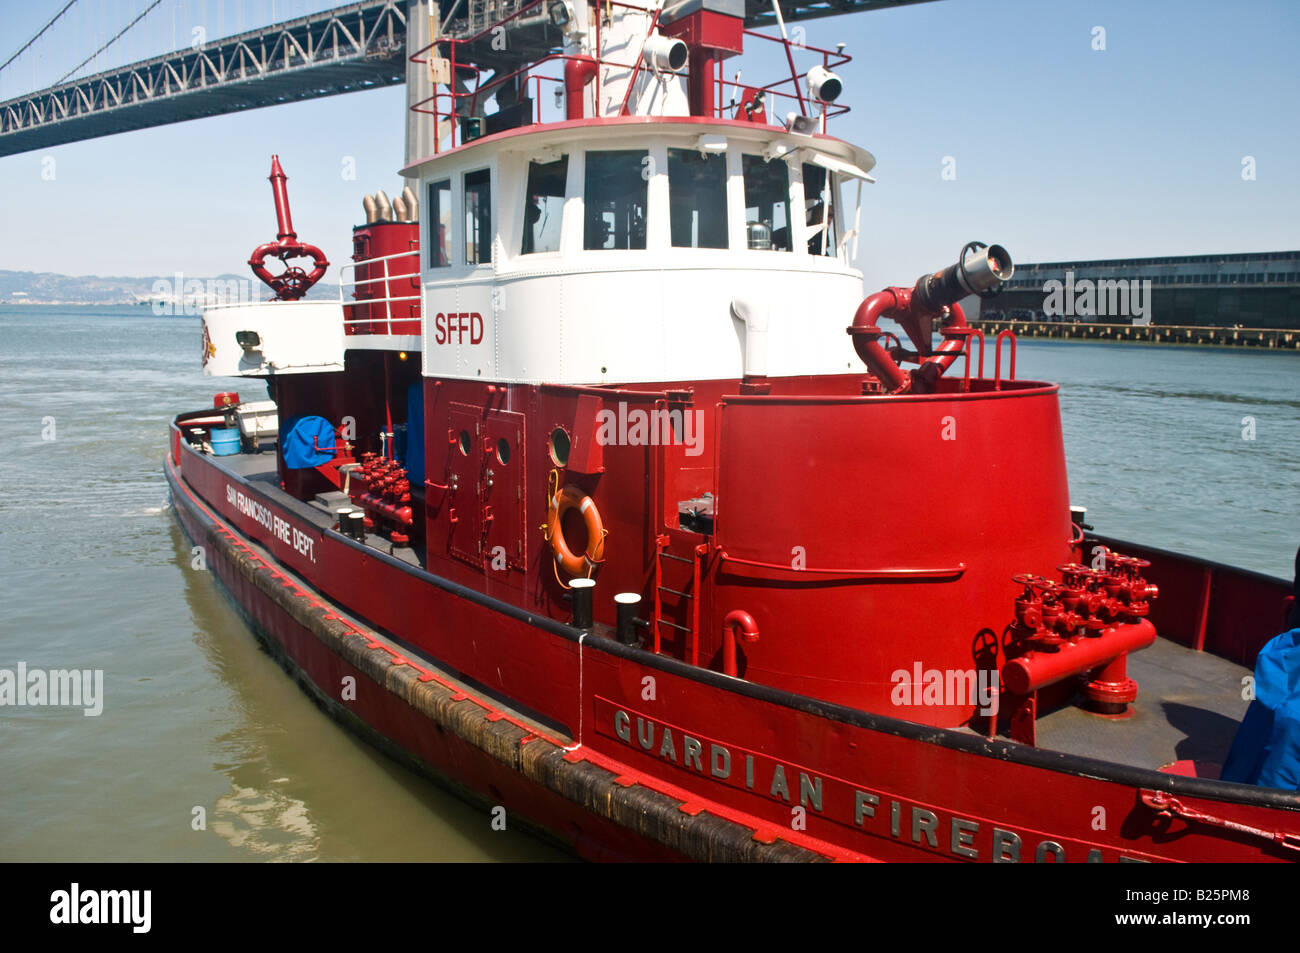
(1188, 707)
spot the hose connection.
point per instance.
(1082, 627)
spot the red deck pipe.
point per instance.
(890, 303)
(699, 83)
(952, 345)
(400, 514)
(1109, 690)
(900, 305)
(578, 72)
(1037, 669)
(736, 619)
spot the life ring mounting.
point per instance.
(575, 564)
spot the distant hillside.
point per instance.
(32, 287)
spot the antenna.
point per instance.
(785, 42)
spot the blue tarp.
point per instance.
(1266, 750)
(301, 437)
(414, 459)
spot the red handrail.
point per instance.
(433, 104)
(997, 364)
(946, 572)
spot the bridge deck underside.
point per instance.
(231, 96)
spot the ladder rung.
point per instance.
(680, 559)
(680, 628)
(684, 595)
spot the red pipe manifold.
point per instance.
(1105, 650)
(1085, 625)
(934, 297)
(386, 494)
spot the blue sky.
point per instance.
(1061, 151)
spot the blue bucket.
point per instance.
(225, 441)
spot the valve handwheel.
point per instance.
(294, 282)
(1028, 579)
(1036, 585)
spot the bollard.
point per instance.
(582, 590)
(627, 604)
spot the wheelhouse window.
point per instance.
(544, 205)
(439, 206)
(478, 217)
(697, 199)
(614, 191)
(819, 209)
(767, 203)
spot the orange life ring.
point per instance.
(561, 502)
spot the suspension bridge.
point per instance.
(100, 67)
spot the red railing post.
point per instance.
(997, 364)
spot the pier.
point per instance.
(1285, 339)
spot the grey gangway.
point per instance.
(347, 49)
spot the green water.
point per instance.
(96, 574)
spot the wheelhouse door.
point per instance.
(465, 475)
(503, 489)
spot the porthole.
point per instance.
(559, 447)
(465, 442)
(503, 450)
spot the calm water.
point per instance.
(96, 575)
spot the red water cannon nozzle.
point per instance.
(980, 270)
(294, 282)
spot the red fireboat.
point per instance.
(600, 495)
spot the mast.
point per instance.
(419, 124)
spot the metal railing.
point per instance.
(778, 90)
(451, 106)
(484, 14)
(372, 323)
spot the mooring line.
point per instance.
(581, 707)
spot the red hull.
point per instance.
(697, 747)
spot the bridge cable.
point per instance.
(108, 44)
(38, 34)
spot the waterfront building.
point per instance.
(1247, 290)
